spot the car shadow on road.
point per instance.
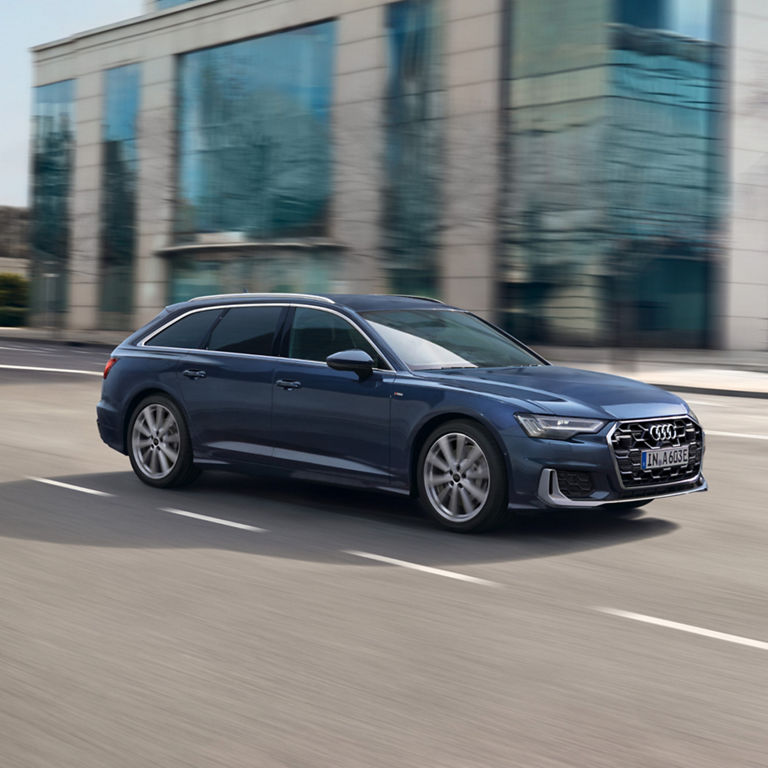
(304, 521)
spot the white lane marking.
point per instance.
(69, 486)
(744, 435)
(422, 568)
(217, 520)
(50, 370)
(761, 644)
(707, 403)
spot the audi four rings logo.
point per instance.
(661, 432)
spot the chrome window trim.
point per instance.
(615, 425)
(143, 342)
(264, 296)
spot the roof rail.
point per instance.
(264, 296)
(422, 298)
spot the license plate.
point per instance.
(665, 457)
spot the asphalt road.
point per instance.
(133, 636)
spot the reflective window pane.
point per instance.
(315, 334)
(53, 126)
(187, 333)
(413, 155)
(118, 193)
(615, 176)
(247, 330)
(254, 137)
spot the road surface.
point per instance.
(263, 623)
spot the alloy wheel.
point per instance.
(457, 477)
(155, 441)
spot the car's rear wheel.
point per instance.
(158, 443)
(461, 478)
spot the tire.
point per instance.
(158, 444)
(471, 497)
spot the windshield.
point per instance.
(429, 339)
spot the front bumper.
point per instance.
(584, 472)
(550, 495)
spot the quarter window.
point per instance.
(247, 330)
(316, 334)
(187, 333)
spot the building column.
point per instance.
(156, 186)
(472, 66)
(471, 183)
(84, 261)
(359, 85)
(746, 269)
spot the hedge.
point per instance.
(14, 297)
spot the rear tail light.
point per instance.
(108, 366)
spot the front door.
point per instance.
(327, 422)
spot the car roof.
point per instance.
(357, 302)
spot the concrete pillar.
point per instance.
(156, 185)
(85, 205)
(359, 88)
(746, 273)
(472, 61)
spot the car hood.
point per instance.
(566, 391)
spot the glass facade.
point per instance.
(53, 129)
(118, 193)
(269, 268)
(615, 172)
(254, 137)
(413, 150)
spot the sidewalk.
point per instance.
(714, 372)
(705, 371)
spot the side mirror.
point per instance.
(352, 360)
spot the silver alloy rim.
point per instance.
(155, 441)
(457, 477)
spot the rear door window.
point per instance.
(247, 330)
(187, 333)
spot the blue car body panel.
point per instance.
(333, 426)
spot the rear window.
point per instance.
(246, 330)
(187, 333)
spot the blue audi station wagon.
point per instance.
(396, 393)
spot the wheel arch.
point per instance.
(423, 431)
(131, 404)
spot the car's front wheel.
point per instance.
(158, 443)
(462, 479)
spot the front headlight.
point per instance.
(557, 427)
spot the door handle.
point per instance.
(193, 374)
(286, 384)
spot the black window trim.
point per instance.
(281, 332)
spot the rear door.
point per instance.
(328, 422)
(227, 386)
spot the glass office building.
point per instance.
(565, 168)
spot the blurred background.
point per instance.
(588, 172)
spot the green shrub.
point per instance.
(12, 316)
(14, 298)
(14, 290)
